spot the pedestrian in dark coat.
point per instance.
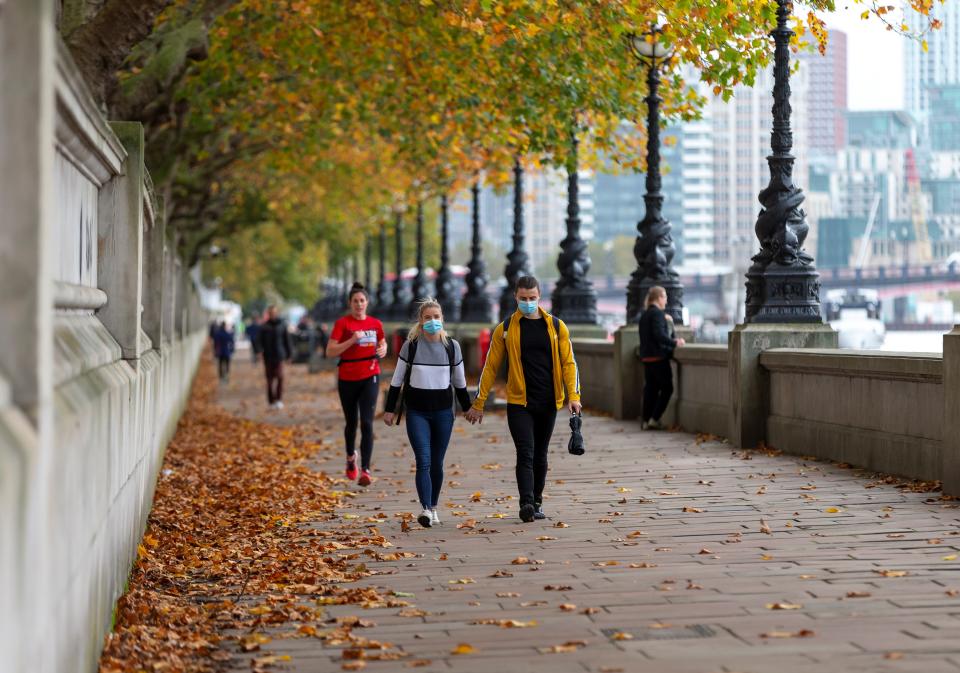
(276, 347)
(224, 343)
(657, 344)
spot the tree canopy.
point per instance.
(322, 117)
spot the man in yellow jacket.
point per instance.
(540, 364)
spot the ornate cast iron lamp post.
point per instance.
(420, 291)
(382, 296)
(446, 295)
(574, 298)
(654, 248)
(782, 284)
(518, 262)
(401, 294)
(476, 304)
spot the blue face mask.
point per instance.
(528, 307)
(432, 326)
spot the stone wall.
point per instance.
(882, 411)
(595, 362)
(702, 394)
(101, 334)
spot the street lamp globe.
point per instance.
(649, 45)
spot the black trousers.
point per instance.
(224, 367)
(531, 429)
(359, 401)
(657, 388)
(274, 372)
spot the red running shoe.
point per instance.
(365, 478)
(352, 468)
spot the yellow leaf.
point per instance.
(463, 648)
(950, 557)
(832, 510)
(783, 606)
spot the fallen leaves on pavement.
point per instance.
(228, 548)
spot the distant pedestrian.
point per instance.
(224, 343)
(540, 364)
(276, 347)
(657, 344)
(252, 332)
(429, 370)
(323, 338)
(359, 341)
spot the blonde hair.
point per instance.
(416, 331)
(653, 294)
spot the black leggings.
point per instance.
(657, 388)
(359, 399)
(531, 430)
(224, 368)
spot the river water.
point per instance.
(914, 342)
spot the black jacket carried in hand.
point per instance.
(655, 339)
(275, 342)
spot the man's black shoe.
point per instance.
(538, 512)
(527, 513)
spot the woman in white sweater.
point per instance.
(430, 371)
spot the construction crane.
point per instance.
(924, 250)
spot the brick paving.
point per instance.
(675, 553)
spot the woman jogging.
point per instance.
(359, 341)
(429, 369)
(656, 348)
(540, 364)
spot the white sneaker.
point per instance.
(434, 517)
(279, 404)
(654, 424)
(425, 518)
(644, 426)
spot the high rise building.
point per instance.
(938, 66)
(741, 136)
(827, 101)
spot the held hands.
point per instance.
(575, 407)
(473, 416)
(681, 342)
(382, 349)
(388, 418)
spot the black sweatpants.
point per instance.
(359, 400)
(531, 430)
(657, 388)
(224, 368)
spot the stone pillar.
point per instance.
(154, 247)
(27, 79)
(950, 439)
(27, 459)
(120, 244)
(749, 382)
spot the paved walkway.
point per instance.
(661, 553)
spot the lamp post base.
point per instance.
(575, 305)
(783, 294)
(476, 309)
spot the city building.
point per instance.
(938, 66)
(827, 99)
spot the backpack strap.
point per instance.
(411, 353)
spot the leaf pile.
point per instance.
(227, 549)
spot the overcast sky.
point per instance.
(874, 60)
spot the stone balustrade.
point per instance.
(101, 332)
